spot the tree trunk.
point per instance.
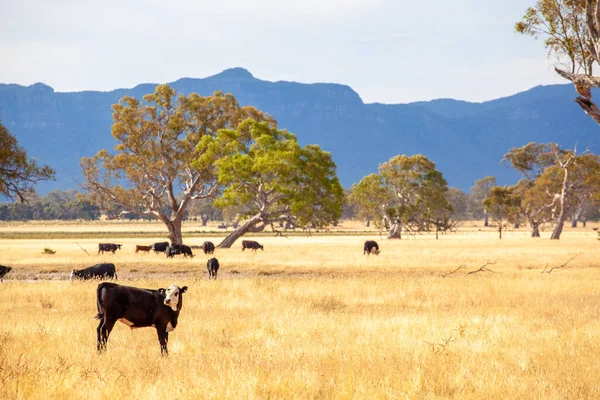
(368, 223)
(517, 225)
(574, 223)
(584, 222)
(396, 230)
(535, 230)
(500, 230)
(204, 219)
(174, 228)
(562, 216)
(486, 221)
(239, 232)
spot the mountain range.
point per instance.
(466, 140)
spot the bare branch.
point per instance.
(562, 266)
(484, 268)
(457, 269)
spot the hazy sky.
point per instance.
(389, 51)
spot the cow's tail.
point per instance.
(100, 314)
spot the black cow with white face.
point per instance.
(112, 247)
(3, 271)
(371, 247)
(160, 247)
(98, 271)
(208, 247)
(213, 266)
(176, 249)
(138, 308)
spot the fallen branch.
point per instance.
(563, 266)
(441, 346)
(457, 269)
(82, 249)
(484, 268)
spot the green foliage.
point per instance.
(152, 171)
(406, 189)
(18, 174)
(56, 205)
(562, 24)
(267, 175)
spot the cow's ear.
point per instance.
(162, 291)
(183, 289)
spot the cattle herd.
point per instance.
(139, 308)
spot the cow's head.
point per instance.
(119, 246)
(375, 251)
(173, 296)
(73, 274)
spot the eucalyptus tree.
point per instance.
(151, 171)
(503, 205)
(571, 29)
(479, 192)
(269, 178)
(407, 193)
(18, 173)
(555, 183)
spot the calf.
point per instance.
(175, 249)
(138, 308)
(213, 266)
(3, 271)
(145, 249)
(251, 244)
(371, 247)
(160, 247)
(102, 247)
(99, 271)
(208, 247)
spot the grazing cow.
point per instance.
(145, 249)
(102, 247)
(3, 271)
(160, 247)
(371, 247)
(251, 244)
(175, 249)
(208, 247)
(213, 266)
(138, 308)
(99, 271)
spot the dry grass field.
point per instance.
(311, 318)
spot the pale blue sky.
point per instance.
(389, 51)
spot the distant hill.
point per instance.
(466, 140)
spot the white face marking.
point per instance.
(172, 297)
(72, 275)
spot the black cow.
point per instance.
(3, 271)
(102, 247)
(251, 244)
(213, 266)
(175, 249)
(100, 271)
(160, 247)
(138, 308)
(371, 246)
(208, 247)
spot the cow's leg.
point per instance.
(101, 345)
(163, 338)
(105, 330)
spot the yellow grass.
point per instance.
(314, 318)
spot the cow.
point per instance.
(160, 247)
(371, 247)
(3, 271)
(98, 271)
(213, 266)
(138, 308)
(175, 249)
(145, 249)
(208, 247)
(102, 247)
(251, 244)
